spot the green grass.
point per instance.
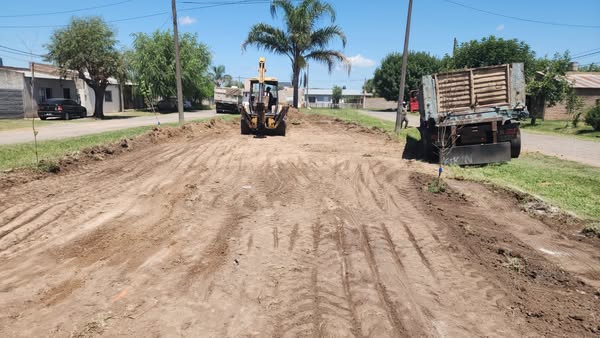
(563, 128)
(569, 185)
(22, 155)
(353, 115)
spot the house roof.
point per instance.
(584, 79)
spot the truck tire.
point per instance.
(244, 128)
(515, 145)
(426, 146)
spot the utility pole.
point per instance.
(177, 65)
(400, 113)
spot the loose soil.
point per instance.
(200, 231)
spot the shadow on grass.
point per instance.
(583, 132)
(118, 117)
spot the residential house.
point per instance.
(48, 82)
(323, 98)
(586, 86)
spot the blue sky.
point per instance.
(373, 28)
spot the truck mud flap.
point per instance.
(478, 154)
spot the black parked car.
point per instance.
(62, 108)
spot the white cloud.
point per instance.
(500, 27)
(361, 61)
(186, 20)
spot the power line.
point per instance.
(585, 52)
(586, 55)
(211, 5)
(522, 19)
(64, 12)
(15, 51)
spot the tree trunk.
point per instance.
(295, 81)
(121, 87)
(99, 104)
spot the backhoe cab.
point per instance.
(262, 113)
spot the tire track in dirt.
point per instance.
(320, 233)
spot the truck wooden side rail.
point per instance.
(472, 116)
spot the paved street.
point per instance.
(79, 128)
(564, 147)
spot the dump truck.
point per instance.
(228, 100)
(471, 116)
(262, 114)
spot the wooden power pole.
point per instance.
(177, 65)
(399, 113)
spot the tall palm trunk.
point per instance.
(295, 83)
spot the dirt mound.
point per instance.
(552, 299)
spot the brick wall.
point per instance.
(559, 111)
(379, 103)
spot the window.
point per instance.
(108, 96)
(67, 93)
(312, 99)
(44, 94)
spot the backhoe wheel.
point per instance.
(281, 128)
(244, 128)
(515, 145)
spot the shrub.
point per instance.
(592, 117)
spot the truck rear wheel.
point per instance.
(515, 145)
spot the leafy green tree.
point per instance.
(153, 65)
(336, 95)
(592, 117)
(87, 45)
(369, 87)
(548, 83)
(492, 51)
(301, 40)
(218, 76)
(574, 106)
(386, 79)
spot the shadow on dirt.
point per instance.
(413, 150)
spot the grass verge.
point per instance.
(22, 155)
(569, 185)
(354, 116)
(563, 128)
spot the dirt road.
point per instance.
(326, 232)
(80, 128)
(568, 148)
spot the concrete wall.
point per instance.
(379, 103)
(88, 99)
(11, 94)
(559, 111)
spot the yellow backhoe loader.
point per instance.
(262, 113)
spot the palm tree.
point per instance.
(218, 75)
(301, 41)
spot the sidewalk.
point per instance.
(79, 128)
